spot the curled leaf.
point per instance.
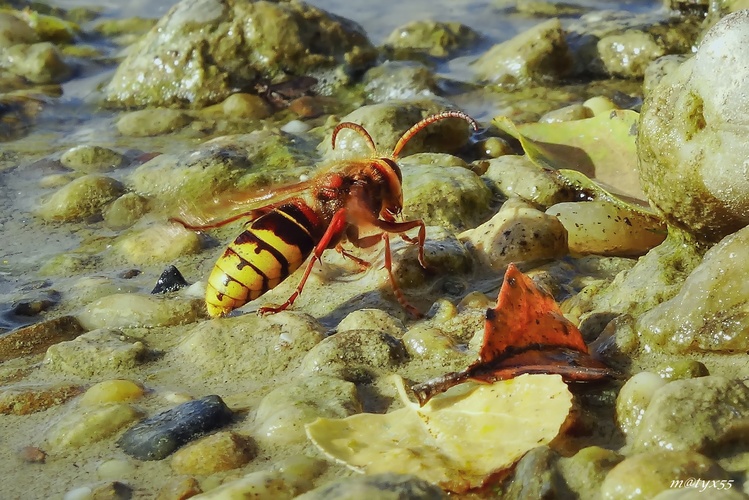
(525, 333)
(459, 439)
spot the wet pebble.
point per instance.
(81, 198)
(585, 470)
(642, 476)
(179, 488)
(91, 159)
(708, 313)
(131, 310)
(399, 80)
(517, 233)
(115, 469)
(431, 343)
(84, 425)
(218, 348)
(681, 368)
(14, 31)
(152, 121)
(37, 338)
(441, 194)
(513, 175)
(246, 106)
(603, 227)
(38, 62)
(110, 490)
(170, 280)
(282, 413)
(566, 114)
(435, 38)
(375, 319)
(159, 436)
(693, 414)
(286, 479)
(537, 55)
(218, 452)
(388, 486)
(126, 211)
(634, 398)
(95, 352)
(23, 399)
(355, 355)
(32, 455)
(158, 243)
(112, 391)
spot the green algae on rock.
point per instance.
(81, 198)
(705, 414)
(386, 122)
(202, 50)
(709, 313)
(644, 475)
(692, 147)
(435, 38)
(386, 486)
(539, 55)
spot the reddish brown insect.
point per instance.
(313, 216)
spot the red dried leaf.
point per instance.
(525, 333)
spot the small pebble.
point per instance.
(32, 454)
(87, 425)
(217, 452)
(159, 436)
(179, 488)
(170, 280)
(112, 391)
(115, 469)
(90, 159)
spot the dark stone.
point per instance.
(157, 437)
(170, 280)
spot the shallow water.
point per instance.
(27, 243)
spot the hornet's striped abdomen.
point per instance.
(269, 249)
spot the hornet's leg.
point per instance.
(335, 230)
(397, 228)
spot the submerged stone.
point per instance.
(435, 38)
(159, 436)
(710, 311)
(538, 55)
(388, 486)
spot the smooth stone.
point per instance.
(355, 355)
(81, 198)
(83, 426)
(388, 486)
(215, 453)
(157, 437)
(693, 414)
(91, 159)
(94, 353)
(152, 122)
(112, 391)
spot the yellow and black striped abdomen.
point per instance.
(269, 249)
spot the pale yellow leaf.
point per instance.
(459, 439)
